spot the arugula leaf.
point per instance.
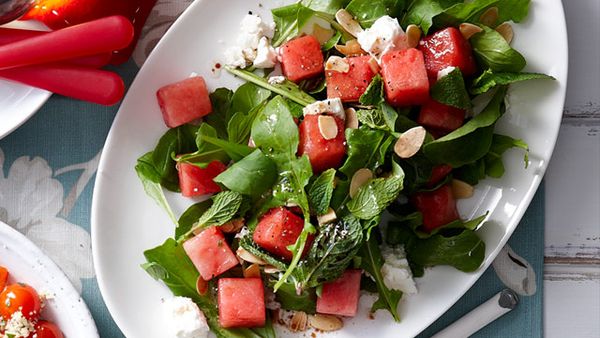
(415, 220)
(367, 12)
(471, 172)
(500, 144)
(373, 197)
(333, 250)
(251, 176)
(248, 96)
(274, 130)
(221, 114)
(289, 20)
(372, 261)
(417, 170)
(234, 150)
(206, 152)
(463, 12)
(169, 263)
(366, 149)
(515, 10)
(327, 6)
(490, 79)
(191, 217)
(464, 251)
(320, 191)
(422, 12)
(175, 141)
(239, 126)
(225, 205)
(470, 142)
(450, 90)
(287, 89)
(287, 295)
(492, 51)
(151, 181)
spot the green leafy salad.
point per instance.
(335, 168)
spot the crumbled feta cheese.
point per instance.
(246, 49)
(383, 36)
(266, 56)
(444, 72)
(278, 79)
(18, 326)
(184, 319)
(333, 106)
(396, 272)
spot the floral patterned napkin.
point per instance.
(47, 169)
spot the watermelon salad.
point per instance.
(335, 169)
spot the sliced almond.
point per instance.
(270, 269)
(298, 322)
(248, 257)
(489, 17)
(351, 118)
(374, 65)
(461, 189)
(327, 127)
(337, 64)
(252, 271)
(233, 226)
(325, 322)
(321, 33)
(468, 30)
(360, 177)
(410, 142)
(328, 217)
(506, 31)
(346, 20)
(351, 48)
(413, 35)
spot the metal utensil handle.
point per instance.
(481, 316)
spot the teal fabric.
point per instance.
(65, 132)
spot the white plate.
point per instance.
(125, 222)
(19, 102)
(26, 263)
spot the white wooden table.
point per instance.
(572, 262)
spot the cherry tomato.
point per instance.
(20, 297)
(45, 329)
(3, 277)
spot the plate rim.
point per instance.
(90, 328)
(475, 276)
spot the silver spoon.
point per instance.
(13, 9)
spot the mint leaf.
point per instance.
(367, 12)
(490, 79)
(450, 90)
(492, 51)
(320, 192)
(373, 197)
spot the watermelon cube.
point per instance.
(241, 302)
(184, 101)
(351, 85)
(210, 253)
(322, 153)
(438, 207)
(447, 48)
(301, 58)
(439, 116)
(438, 173)
(405, 77)
(340, 297)
(277, 229)
(196, 181)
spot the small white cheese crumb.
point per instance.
(396, 272)
(445, 72)
(18, 326)
(276, 79)
(383, 36)
(266, 56)
(246, 49)
(333, 106)
(184, 319)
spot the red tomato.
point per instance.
(45, 329)
(3, 277)
(20, 297)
